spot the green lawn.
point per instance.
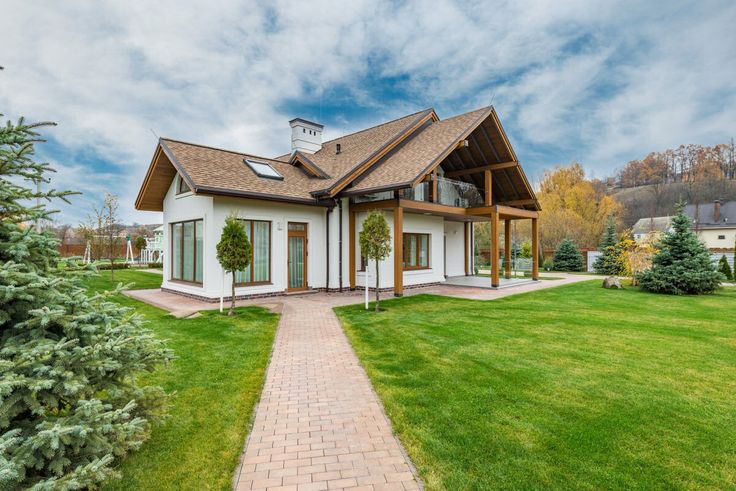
(574, 387)
(217, 376)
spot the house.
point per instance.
(645, 227)
(303, 211)
(715, 224)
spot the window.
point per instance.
(181, 185)
(721, 237)
(259, 271)
(262, 169)
(186, 251)
(416, 251)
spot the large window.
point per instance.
(181, 185)
(259, 271)
(186, 251)
(416, 251)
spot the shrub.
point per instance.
(70, 401)
(108, 266)
(683, 264)
(155, 265)
(548, 264)
(568, 257)
(725, 268)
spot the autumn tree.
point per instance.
(573, 206)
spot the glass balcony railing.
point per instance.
(450, 192)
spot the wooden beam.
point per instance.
(351, 255)
(482, 168)
(461, 144)
(398, 251)
(495, 256)
(518, 202)
(433, 208)
(489, 188)
(507, 248)
(535, 249)
(511, 212)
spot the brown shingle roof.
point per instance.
(212, 169)
(408, 161)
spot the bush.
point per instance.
(725, 268)
(155, 265)
(548, 264)
(108, 266)
(683, 264)
(568, 257)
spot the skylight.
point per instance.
(263, 169)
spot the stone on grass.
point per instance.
(612, 282)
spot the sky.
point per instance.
(601, 83)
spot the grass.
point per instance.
(217, 378)
(574, 387)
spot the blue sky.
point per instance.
(597, 82)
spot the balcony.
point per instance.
(449, 192)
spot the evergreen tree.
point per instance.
(568, 257)
(609, 262)
(234, 251)
(70, 401)
(375, 243)
(725, 268)
(683, 264)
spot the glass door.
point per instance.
(297, 256)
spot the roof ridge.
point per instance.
(380, 124)
(222, 150)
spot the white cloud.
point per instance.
(598, 81)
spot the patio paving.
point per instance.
(319, 424)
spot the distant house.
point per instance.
(653, 225)
(714, 222)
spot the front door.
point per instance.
(297, 256)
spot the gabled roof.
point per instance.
(392, 155)
(704, 215)
(644, 226)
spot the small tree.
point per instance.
(234, 252)
(609, 262)
(568, 257)
(375, 243)
(107, 234)
(725, 268)
(526, 250)
(140, 243)
(683, 264)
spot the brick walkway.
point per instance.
(319, 424)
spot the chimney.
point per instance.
(716, 211)
(306, 136)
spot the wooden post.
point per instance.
(489, 188)
(466, 244)
(507, 247)
(535, 249)
(351, 255)
(495, 256)
(398, 251)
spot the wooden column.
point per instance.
(466, 247)
(495, 256)
(489, 188)
(351, 255)
(535, 249)
(398, 251)
(507, 247)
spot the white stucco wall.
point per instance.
(710, 237)
(435, 226)
(454, 231)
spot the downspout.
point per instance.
(339, 241)
(327, 255)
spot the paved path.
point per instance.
(319, 424)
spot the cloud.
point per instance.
(601, 82)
